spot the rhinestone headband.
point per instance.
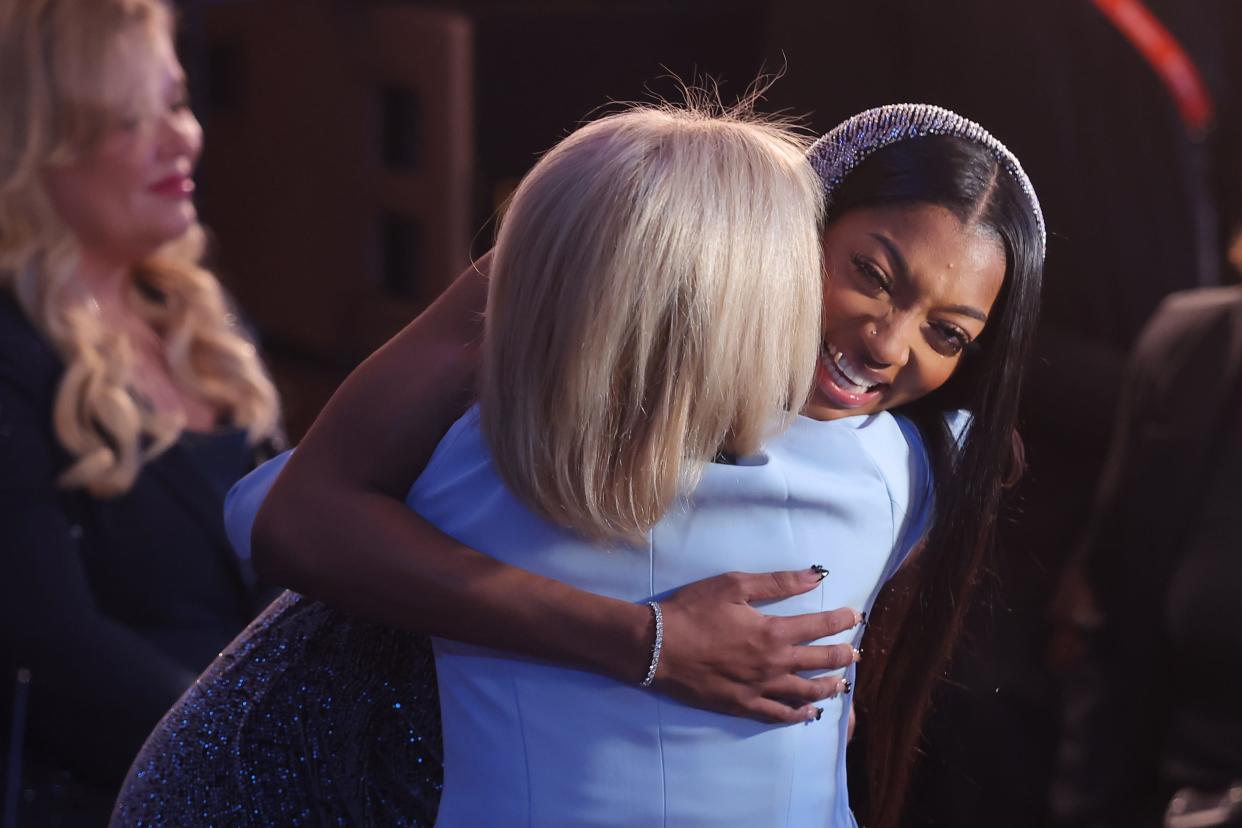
(838, 153)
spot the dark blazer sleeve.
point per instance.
(88, 671)
(1117, 698)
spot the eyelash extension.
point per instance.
(955, 333)
(967, 346)
(872, 272)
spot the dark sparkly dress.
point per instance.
(310, 717)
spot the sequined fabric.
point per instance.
(310, 717)
(839, 152)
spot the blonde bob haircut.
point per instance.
(655, 299)
(71, 71)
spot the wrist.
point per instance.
(626, 635)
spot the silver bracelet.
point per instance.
(657, 645)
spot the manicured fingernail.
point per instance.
(857, 654)
(863, 616)
(819, 713)
(846, 686)
(822, 572)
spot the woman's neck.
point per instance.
(105, 284)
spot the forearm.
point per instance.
(378, 559)
(335, 527)
(367, 553)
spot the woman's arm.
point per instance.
(335, 526)
(97, 687)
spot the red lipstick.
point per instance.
(173, 186)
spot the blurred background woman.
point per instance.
(129, 401)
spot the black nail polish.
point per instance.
(864, 617)
(819, 712)
(847, 686)
(822, 572)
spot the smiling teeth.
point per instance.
(848, 371)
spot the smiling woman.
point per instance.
(129, 401)
(131, 194)
(934, 259)
(907, 293)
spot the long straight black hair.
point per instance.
(896, 686)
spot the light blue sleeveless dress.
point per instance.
(531, 744)
(312, 716)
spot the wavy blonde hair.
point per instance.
(655, 297)
(57, 102)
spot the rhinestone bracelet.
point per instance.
(656, 645)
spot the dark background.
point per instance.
(357, 151)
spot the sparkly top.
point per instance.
(839, 152)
